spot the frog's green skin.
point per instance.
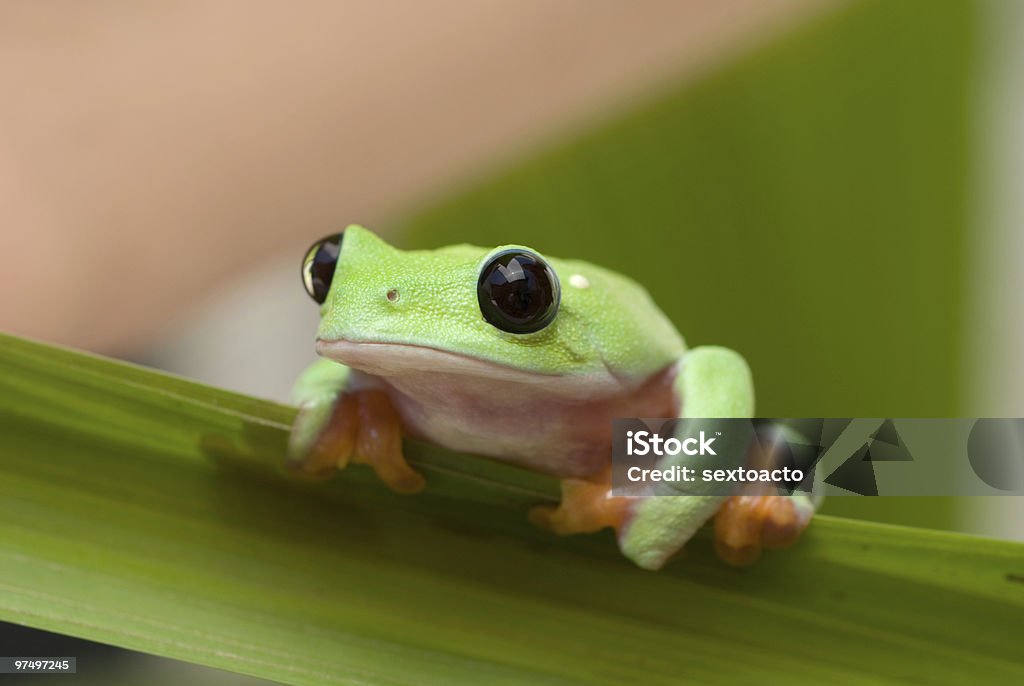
(409, 323)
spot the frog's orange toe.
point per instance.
(379, 443)
(586, 506)
(544, 516)
(565, 520)
(333, 446)
(747, 524)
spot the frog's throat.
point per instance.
(402, 359)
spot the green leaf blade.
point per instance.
(150, 512)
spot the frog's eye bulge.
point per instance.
(518, 292)
(318, 266)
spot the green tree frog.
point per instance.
(523, 358)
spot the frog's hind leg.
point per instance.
(586, 506)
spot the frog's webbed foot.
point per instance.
(361, 427)
(586, 506)
(746, 524)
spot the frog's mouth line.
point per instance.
(400, 359)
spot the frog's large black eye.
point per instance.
(318, 266)
(518, 291)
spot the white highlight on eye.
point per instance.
(579, 281)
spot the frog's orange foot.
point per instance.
(323, 437)
(586, 506)
(746, 524)
(363, 428)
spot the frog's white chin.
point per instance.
(401, 359)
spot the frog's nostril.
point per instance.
(393, 295)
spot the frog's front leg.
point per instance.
(712, 382)
(715, 382)
(337, 424)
